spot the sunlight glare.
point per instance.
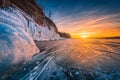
(84, 36)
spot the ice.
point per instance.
(16, 44)
(73, 59)
(17, 34)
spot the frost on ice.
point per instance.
(17, 34)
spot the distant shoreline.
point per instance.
(117, 37)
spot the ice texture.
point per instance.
(17, 34)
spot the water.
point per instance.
(72, 59)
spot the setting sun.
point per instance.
(84, 36)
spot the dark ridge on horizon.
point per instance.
(114, 37)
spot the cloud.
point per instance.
(77, 16)
(88, 21)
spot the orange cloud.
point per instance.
(95, 26)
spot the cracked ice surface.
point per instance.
(90, 59)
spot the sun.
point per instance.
(84, 36)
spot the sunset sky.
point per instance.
(85, 18)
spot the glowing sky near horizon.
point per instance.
(95, 18)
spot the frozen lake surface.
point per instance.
(72, 59)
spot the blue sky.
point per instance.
(79, 16)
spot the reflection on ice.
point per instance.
(88, 59)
